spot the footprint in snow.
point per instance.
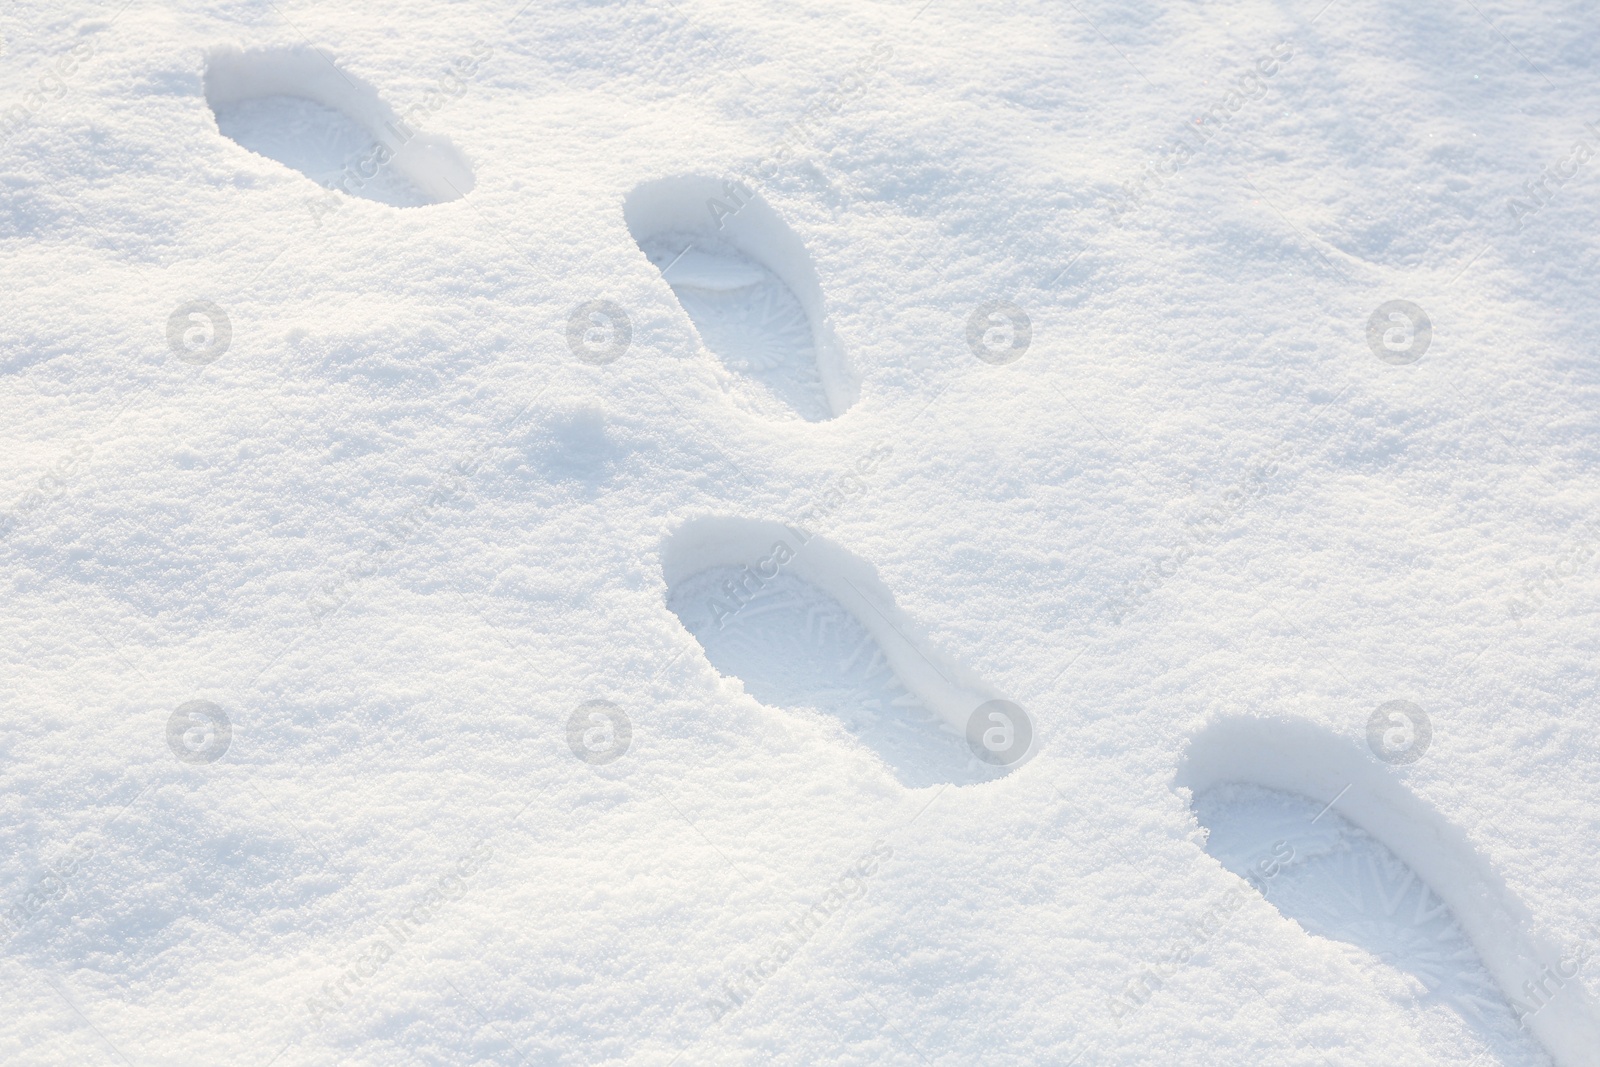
(295, 106)
(1378, 872)
(807, 628)
(749, 288)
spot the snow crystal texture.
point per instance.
(650, 532)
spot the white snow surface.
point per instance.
(401, 479)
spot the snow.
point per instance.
(1178, 422)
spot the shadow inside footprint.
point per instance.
(795, 647)
(749, 288)
(1369, 865)
(1338, 882)
(778, 625)
(296, 107)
